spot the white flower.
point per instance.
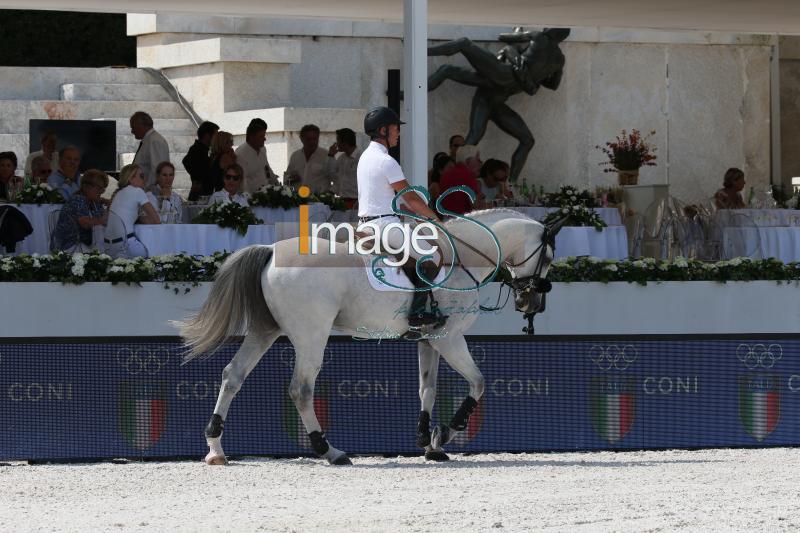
(45, 186)
(736, 261)
(680, 262)
(612, 267)
(115, 268)
(6, 267)
(565, 210)
(77, 270)
(286, 193)
(593, 259)
(36, 263)
(39, 193)
(638, 264)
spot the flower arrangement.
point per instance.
(94, 267)
(277, 196)
(629, 151)
(229, 215)
(331, 200)
(568, 196)
(577, 215)
(38, 194)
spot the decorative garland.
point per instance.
(38, 194)
(276, 196)
(81, 268)
(228, 215)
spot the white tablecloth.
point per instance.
(610, 215)
(759, 217)
(611, 243)
(761, 243)
(199, 239)
(38, 215)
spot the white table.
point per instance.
(781, 243)
(759, 217)
(199, 239)
(38, 215)
(611, 243)
(610, 215)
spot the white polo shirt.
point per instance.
(376, 173)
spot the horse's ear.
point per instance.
(553, 228)
(557, 34)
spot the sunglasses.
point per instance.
(234, 177)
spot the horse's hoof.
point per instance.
(342, 460)
(436, 455)
(214, 459)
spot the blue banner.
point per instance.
(120, 399)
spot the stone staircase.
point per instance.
(92, 94)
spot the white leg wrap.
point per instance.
(333, 454)
(215, 454)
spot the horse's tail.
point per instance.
(235, 305)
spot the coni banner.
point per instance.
(123, 399)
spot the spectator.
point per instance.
(40, 169)
(309, 165)
(456, 142)
(730, 195)
(129, 206)
(49, 142)
(66, 178)
(83, 211)
(198, 164)
(494, 175)
(222, 155)
(165, 201)
(152, 150)
(9, 182)
(441, 163)
(252, 157)
(343, 169)
(464, 172)
(232, 188)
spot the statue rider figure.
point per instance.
(530, 60)
(380, 178)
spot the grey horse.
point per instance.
(263, 292)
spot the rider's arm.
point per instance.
(414, 202)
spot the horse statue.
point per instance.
(263, 292)
(530, 60)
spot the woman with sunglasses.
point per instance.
(166, 201)
(231, 186)
(83, 211)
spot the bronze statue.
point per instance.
(528, 61)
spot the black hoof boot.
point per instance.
(342, 460)
(424, 430)
(436, 455)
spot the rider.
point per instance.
(380, 178)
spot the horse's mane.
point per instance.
(492, 214)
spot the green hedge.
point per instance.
(65, 39)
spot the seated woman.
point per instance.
(166, 202)
(493, 177)
(129, 206)
(729, 196)
(230, 188)
(441, 163)
(10, 183)
(82, 212)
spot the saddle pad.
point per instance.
(393, 277)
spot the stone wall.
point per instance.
(707, 95)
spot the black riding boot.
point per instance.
(418, 314)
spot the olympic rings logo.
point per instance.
(143, 360)
(759, 355)
(613, 356)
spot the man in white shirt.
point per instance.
(153, 148)
(342, 169)
(309, 165)
(252, 157)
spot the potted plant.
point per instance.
(627, 154)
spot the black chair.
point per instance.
(14, 227)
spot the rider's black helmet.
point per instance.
(378, 117)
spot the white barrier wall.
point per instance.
(673, 308)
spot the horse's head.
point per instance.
(528, 267)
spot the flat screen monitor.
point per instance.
(96, 139)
